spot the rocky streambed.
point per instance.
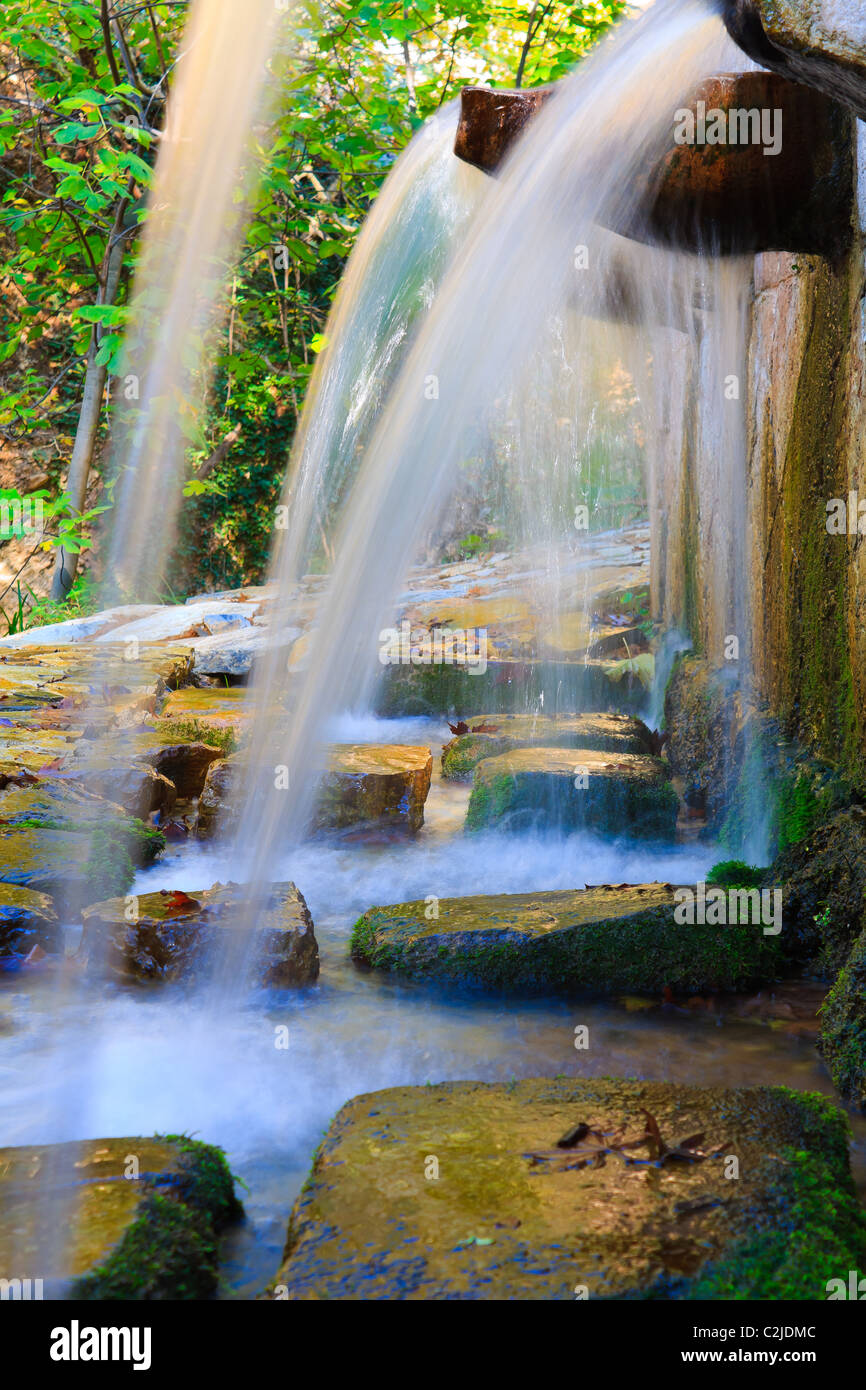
(484, 902)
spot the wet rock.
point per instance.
(490, 122)
(366, 785)
(60, 839)
(374, 784)
(137, 787)
(509, 685)
(169, 936)
(214, 796)
(506, 1214)
(575, 788)
(820, 44)
(737, 198)
(184, 764)
(843, 1027)
(491, 735)
(604, 940)
(823, 882)
(27, 919)
(133, 1218)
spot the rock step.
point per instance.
(57, 837)
(27, 919)
(460, 1191)
(140, 1216)
(365, 785)
(170, 936)
(574, 789)
(602, 940)
(559, 687)
(489, 735)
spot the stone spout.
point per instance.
(730, 197)
(819, 42)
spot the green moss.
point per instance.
(171, 1250)
(116, 849)
(800, 809)
(812, 1230)
(192, 730)
(843, 1027)
(595, 951)
(733, 873)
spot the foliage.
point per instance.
(82, 102)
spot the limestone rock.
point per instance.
(604, 940)
(27, 919)
(176, 936)
(574, 788)
(508, 1215)
(140, 1217)
(374, 784)
(490, 735)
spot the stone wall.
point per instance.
(806, 444)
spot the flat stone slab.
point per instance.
(574, 789)
(27, 919)
(223, 708)
(168, 936)
(56, 837)
(514, 684)
(602, 940)
(130, 1218)
(367, 785)
(489, 735)
(460, 1191)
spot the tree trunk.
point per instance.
(66, 563)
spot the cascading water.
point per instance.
(573, 172)
(466, 324)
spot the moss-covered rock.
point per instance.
(574, 789)
(460, 1191)
(491, 735)
(27, 919)
(823, 881)
(512, 685)
(176, 936)
(601, 940)
(843, 1027)
(141, 1217)
(60, 839)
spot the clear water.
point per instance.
(139, 1061)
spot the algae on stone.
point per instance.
(574, 789)
(491, 735)
(141, 1217)
(459, 1191)
(603, 940)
